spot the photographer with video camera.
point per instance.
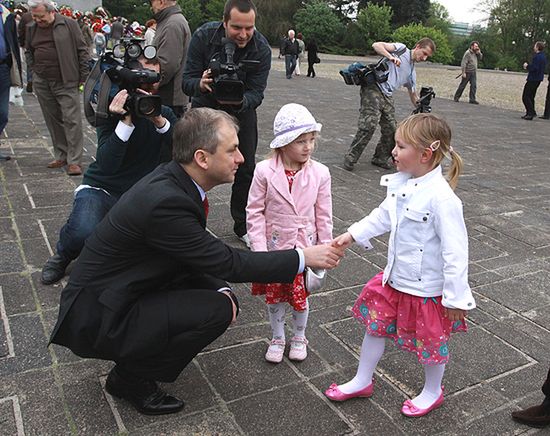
(227, 68)
(377, 104)
(135, 138)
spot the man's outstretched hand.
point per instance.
(323, 256)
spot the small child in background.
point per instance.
(423, 293)
(289, 205)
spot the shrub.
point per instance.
(411, 33)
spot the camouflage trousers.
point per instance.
(376, 108)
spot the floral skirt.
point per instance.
(416, 324)
(293, 293)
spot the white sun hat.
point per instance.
(290, 122)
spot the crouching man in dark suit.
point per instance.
(148, 290)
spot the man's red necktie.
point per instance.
(205, 205)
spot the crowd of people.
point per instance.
(149, 286)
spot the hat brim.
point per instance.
(287, 138)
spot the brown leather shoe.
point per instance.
(536, 416)
(57, 163)
(74, 170)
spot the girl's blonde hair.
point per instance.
(430, 131)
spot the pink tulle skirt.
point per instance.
(416, 324)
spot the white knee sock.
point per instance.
(432, 386)
(276, 314)
(300, 321)
(371, 352)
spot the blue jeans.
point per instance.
(5, 82)
(290, 64)
(89, 208)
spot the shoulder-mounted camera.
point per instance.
(227, 86)
(360, 74)
(120, 69)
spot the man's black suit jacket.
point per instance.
(152, 241)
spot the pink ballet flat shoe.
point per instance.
(298, 348)
(275, 351)
(335, 394)
(410, 410)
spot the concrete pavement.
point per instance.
(229, 389)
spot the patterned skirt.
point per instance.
(294, 293)
(416, 324)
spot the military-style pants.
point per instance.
(376, 108)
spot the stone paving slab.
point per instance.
(229, 389)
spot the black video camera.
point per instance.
(228, 87)
(361, 74)
(423, 104)
(130, 75)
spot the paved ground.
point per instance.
(229, 389)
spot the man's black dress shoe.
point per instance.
(54, 269)
(527, 117)
(536, 416)
(144, 395)
(544, 117)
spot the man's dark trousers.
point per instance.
(290, 64)
(4, 95)
(472, 78)
(528, 97)
(248, 142)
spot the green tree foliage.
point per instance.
(439, 18)
(132, 10)
(214, 10)
(374, 21)
(410, 34)
(193, 13)
(404, 11)
(318, 20)
(275, 18)
(352, 40)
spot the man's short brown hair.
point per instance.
(426, 42)
(243, 6)
(198, 130)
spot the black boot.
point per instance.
(536, 416)
(54, 269)
(144, 395)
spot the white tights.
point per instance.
(371, 352)
(277, 314)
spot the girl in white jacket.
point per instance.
(423, 293)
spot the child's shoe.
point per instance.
(410, 410)
(298, 348)
(275, 351)
(335, 394)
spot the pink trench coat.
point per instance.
(278, 219)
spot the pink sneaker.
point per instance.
(335, 394)
(298, 348)
(410, 410)
(275, 351)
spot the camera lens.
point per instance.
(134, 51)
(147, 106)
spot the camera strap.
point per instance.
(103, 95)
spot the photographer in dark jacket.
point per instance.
(239, 19)
(128, 149)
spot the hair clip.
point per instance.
(451, 149)
(435, 145)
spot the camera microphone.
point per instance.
(229, 47)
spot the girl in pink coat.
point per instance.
(289, 205)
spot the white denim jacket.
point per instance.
(428, 245)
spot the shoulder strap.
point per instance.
(399, 52)
(89, 85)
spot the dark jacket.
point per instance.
(12, 46)
(117, 29)
(26, 19)
(206, 44)
(291, 47)
(312, 52)
(119, 165)
(536, 68)
(171, 39)
(70, 47)
(153, 240)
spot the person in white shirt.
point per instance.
(423, 293)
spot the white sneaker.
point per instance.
(245, 239)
